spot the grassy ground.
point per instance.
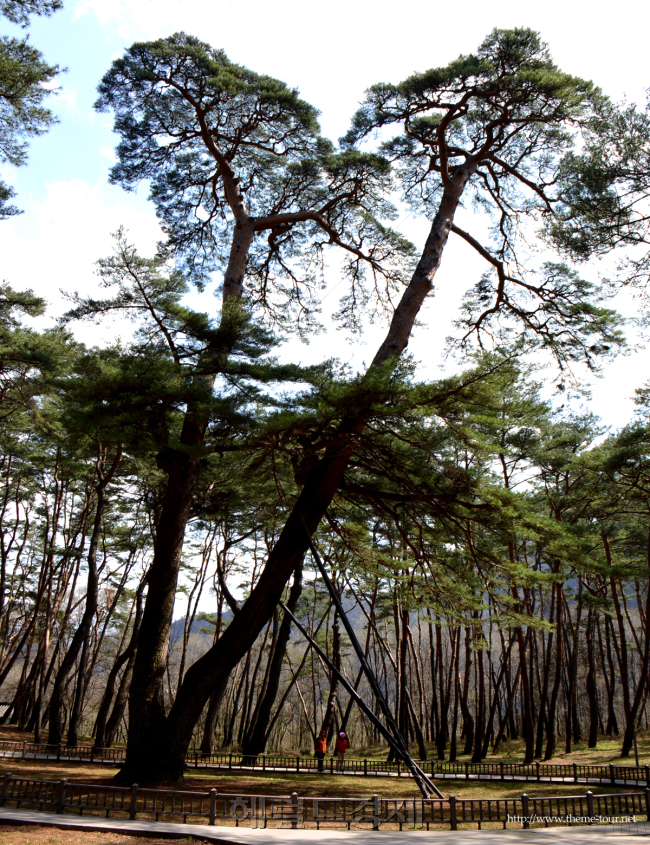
(325, 786)
(271, 783)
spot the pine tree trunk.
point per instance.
(468, 719)
(330, 710)
(592, 691)
(630, 724)
(480, 710)
(210, 727)
(77, 704)
(551, 726)
(119, 706)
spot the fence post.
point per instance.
(58, 752)
(647, 774)
(5, 787)
(466, 771)
(213, 806)
(92, 754)
(501, 770)
(298, 763)
(575, 772)
(399, 768)
(612, 779)
(590, 806)
(453, 818)
(331, 765)
(375, 811)
(264, 762)
(61, 797)
(537, 768)
(134, 801)
(294, 810)
(524, 811)
(365, 766)
(24, 747)
(230, 760)
(647, 803)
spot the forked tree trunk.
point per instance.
(157, 749)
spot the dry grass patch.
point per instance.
(37, 835)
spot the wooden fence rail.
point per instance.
(295, 811)
(570, 773)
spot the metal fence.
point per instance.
(293, 811)
(537, 772)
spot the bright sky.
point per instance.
(331, 52)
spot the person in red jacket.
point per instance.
(320, 748)
(342, 745)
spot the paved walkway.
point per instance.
(248, 836)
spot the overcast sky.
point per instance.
(331, 53)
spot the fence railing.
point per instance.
(537, 772)
(295, 811)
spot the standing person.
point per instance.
(320, 748)
(342, 746)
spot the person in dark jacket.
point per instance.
(320, 748)
(342, 745)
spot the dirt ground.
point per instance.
(35, 835)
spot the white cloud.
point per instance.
(56, 243)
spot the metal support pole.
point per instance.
(404, 753)
(421, 779)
